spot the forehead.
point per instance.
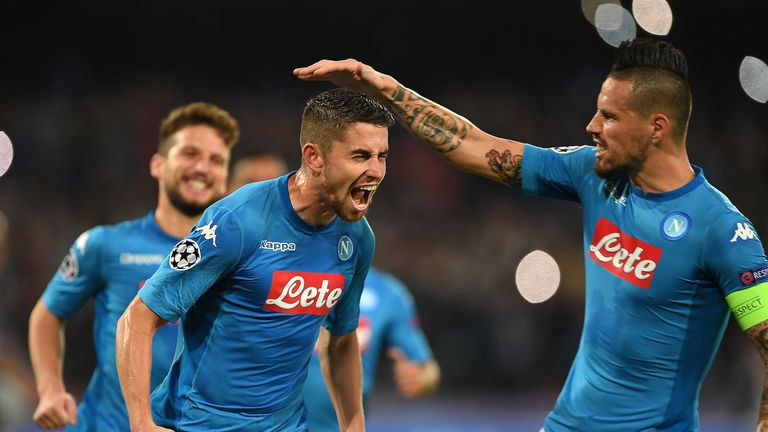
(615, 94)
(202, 137)
(365, 136)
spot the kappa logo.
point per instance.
(626, 257)
(82, 241)
(128, 258)
(743, 232)
(612, 188)
(305, 293)
(208, 232)
(277, 246)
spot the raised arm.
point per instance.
(134, 362)
(459, 141)
(343, 373)
(57, 407)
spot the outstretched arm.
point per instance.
(759, 336)
(134, 362)
(453, 136)
(57, 407)
(343, 373)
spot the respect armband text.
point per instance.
(749, 306)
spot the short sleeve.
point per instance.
(79, 276)
(557, 172)
(210, 251)
(734, 254)
(405, 331)
(344, 317)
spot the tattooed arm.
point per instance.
(459, 141)
(759, 336)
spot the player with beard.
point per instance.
(388, 322)
(252, 284)
(110, 263)
(667, 255)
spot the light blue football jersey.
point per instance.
(658, 266)
(109, 264)
(251, 286)
(387, 319)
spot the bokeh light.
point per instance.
(753, 75)
(589, 8)
(6, 153)
(537, 276)
(654, 16)
(614, 24)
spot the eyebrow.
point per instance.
(368, 153)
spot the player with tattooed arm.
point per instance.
(668, 257)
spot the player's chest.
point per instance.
(306, 274)
(645, 245)
(127, 266)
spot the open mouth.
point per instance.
(361, 196)
(197, 185)
(601, 150)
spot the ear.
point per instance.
(661, 126)
(313, 157)
(156, 165)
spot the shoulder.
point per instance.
(724, 221)
(388, 285)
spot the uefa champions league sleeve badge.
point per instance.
(185, 255)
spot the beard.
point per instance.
(609, 171)
(185, 207)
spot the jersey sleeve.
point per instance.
(404, 330)
(344, 317)
(210, 251)
(79, 276)
(734, 255)
(557, 172)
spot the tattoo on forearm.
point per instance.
(508, 167)
(441, 129)
(759, 335)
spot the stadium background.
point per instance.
(83, 86)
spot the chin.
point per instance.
(607, 171)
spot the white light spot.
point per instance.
(654, 16)
(6, 153)
(537, 276)
(614, 24)
(589, 8)
(753, 74)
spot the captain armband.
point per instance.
(749, 306)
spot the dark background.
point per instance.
(84, 85)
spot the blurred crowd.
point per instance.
(81, 160)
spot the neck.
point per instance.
(308, 198)
(173, 222)
(664, 170)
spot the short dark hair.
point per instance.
(659, 75)
(327, 116)
(198, 113)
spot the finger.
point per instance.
(395, 354)
(71, 408)
(309, 70)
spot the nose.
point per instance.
(593, 125)
(377, 167)
(202, 164)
